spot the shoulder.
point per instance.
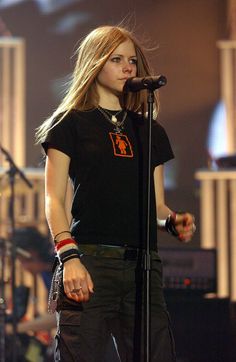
(158, 128)
(66, 118)
(62, 133)
(72, 120)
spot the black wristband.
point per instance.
(69, 257)
(69, 254)
(170, 226)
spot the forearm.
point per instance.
(56, 185)
(56, 217)
(163, 211)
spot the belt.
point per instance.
(116, 252)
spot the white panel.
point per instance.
(222, 239)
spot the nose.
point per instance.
(127, 67)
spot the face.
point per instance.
(121, 65)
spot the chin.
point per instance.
(118, 91)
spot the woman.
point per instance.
(98, 136)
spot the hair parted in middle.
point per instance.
(92, 54)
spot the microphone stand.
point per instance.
(12, 172)
(150, 86)
(147, 256)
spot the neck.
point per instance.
(113, 106)
(109, 100)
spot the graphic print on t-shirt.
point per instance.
(121, 145)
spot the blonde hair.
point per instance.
(92, 55)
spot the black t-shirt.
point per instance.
(109, 171)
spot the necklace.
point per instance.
(112, 118)
(105, 112)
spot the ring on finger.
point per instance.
(76, 290)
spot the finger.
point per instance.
(190, 229)
(85, 292)
(76, 297)
(180, 219)
(185, 238)
(189, 218)
(185, 223)
(71, 291)
(74, 291)
(77, 285)
(187, 235)
(68, 286)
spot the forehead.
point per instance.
(126, 48)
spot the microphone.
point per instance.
(136, 84)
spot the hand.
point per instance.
(77, 281)
(185, 226)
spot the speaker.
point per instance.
(191, 271)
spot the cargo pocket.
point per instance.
(67, 337)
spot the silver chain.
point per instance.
(119, 125)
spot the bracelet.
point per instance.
(67, 247)
(170, 224)
(63, 242)
(69, 254)
(62, 232)
(74, 256)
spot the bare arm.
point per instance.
(56, 177)
(75, 275)
(162, 209)
(184, 222)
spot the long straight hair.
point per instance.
(92, 54)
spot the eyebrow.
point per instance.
(121, 55)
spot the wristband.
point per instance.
(69, 258)
(170, 224)
(64, 242)
(69, 254)
(67, 247)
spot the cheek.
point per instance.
(105, 75)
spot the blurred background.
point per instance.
(195, 45)
(185, 31)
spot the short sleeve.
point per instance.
(162, 150)
(61, 136)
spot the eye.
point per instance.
(115, 59)
(133, 61)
